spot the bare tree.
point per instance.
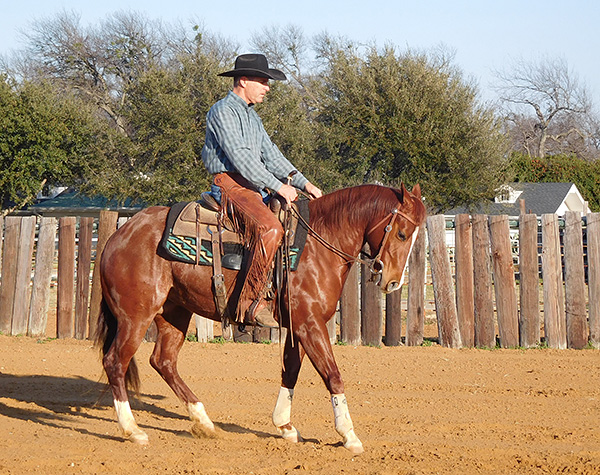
(287, 48)
(100, 63)
(561, 106)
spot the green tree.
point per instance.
(45, 139)
(389, 117)
(166, 115)
(150, 85)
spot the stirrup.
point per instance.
(263, 318)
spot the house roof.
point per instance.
(540, 198)
(71, 202)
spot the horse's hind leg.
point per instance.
(172, 325)
(118, 365)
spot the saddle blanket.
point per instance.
(180, 242)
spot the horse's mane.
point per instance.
(352, 205)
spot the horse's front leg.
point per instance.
(292, 361)
(315, 341)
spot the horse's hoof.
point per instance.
(290, 433)
(140, 438)
(202, 431)
(353, 443)
(355, 447)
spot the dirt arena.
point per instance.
(417, 410)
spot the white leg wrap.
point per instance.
(343, 424)
(282, 416)
(127, 423)
(283, 408)
(198, 415)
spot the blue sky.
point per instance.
(485, 35)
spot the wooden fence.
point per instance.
(482, 300)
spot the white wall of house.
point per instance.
(573, 202)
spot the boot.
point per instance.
(261, 314)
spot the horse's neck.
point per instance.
(347, 229)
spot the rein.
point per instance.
(371, 263)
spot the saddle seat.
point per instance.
(208, 201)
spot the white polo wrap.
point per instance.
(343, 422)
(283, 408)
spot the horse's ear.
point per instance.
(417, 191)
(403, 192)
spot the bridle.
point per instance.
(375, 264)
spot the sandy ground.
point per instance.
(417, 410)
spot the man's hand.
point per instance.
(288, 193)
(313, 190)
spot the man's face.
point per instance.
(256, 88)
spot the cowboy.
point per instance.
(247, 167)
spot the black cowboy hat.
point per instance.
(254, 65)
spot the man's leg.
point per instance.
(262, 233)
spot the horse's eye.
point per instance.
(401, 236)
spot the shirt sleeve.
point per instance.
(277, 164)
(235, 142)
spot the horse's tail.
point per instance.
(106, 332)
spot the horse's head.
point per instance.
(392, 237)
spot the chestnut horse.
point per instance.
(140, 285)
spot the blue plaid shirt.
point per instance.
(236, 140)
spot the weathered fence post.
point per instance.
(66, 277)
(350, 309)
(371, 322)
(278, 335)
(393, 318)
(1, 238)
(504, 282)
(332, 330)
(23, 278)
(465, 304)
(260, 334)
(593, 255)
(12, 232)
(554, 302)
(577, 329)
(84, 261)
(529, 280)
(443, 287)
(40, 295)
(204, 328)
(415, 307)
(485, 332)
(107, 225)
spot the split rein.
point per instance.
(375, 264)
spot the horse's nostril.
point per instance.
(392, 286)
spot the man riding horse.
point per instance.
(246, 166)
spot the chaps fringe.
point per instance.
(258, 265)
